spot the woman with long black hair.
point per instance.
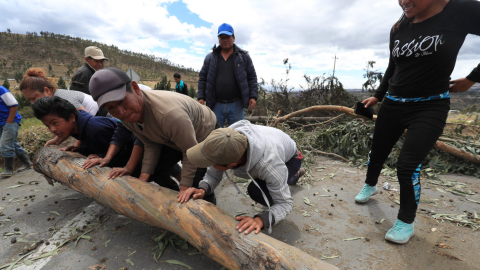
(424, 45)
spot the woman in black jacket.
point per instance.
(424, 45)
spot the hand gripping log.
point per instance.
(204, 225)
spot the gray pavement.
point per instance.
(323, 229)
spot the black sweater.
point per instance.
(423, 55)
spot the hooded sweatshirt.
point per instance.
(268, 151)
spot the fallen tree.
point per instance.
(349, 111)
(204, 225)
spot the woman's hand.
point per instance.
(371, 101)
(460, 85)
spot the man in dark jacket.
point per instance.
(93, 61)
(227, 81)
(181, 87)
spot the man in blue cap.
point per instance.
(228, 82)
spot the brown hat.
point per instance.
(223, 146)
(95, 53)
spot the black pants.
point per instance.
(121, 159)
(168, 165)
(293, 166)
(424, 121)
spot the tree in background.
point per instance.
(61, 83)
(191, 92)
(372, 76)
(6, 84)
(22, 101)
(163, 84)
(18, 76)
(49, 69)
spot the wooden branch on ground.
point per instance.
(456, 152)
(327, 154)
(324, 108)
(264, 119)
(204, 225)
(349, 111)
(318, 124)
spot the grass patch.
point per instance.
(32, 135)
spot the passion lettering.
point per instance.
(420, 46)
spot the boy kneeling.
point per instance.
(266, 155)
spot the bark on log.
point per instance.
(204, 225)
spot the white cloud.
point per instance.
(308, 32)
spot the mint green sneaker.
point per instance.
(400, 233)
(366, 193)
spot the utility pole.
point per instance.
(334, 62)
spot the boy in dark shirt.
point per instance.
(96, 135)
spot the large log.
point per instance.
(202, 224)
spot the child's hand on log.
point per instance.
(118, 172)
(195, 193)
(95, 161)
(69, 148)
(249, 224)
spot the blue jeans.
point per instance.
(8, 142)
(232, 112)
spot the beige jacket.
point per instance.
(175, 120)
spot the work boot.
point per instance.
(366, 193)
(400, 233)
(27, 164)
(8, 169)
(301, 172)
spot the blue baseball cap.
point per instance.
(225, 29)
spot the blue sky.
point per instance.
(308, 33)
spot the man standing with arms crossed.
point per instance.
(227, 81)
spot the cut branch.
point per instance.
(349, 111)
(204, 225)
(325, 108)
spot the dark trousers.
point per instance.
(293, 166)
(121, 159)
(424, 121)
(166, 166)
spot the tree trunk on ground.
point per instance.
(204, 225)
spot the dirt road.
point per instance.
(330, 227)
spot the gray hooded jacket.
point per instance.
(268, 151)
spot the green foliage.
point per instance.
(191, 92)
(18, 76)
(22, 101)
(26, 112)
(6, 84)
(49, 68)
(470, 109)
(61, 83)
(373, 77)
(163, 84)
(352, 140)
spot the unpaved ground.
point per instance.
(319, 229)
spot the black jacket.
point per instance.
(81, 79)
(244, 73)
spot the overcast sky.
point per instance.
(307, 32)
